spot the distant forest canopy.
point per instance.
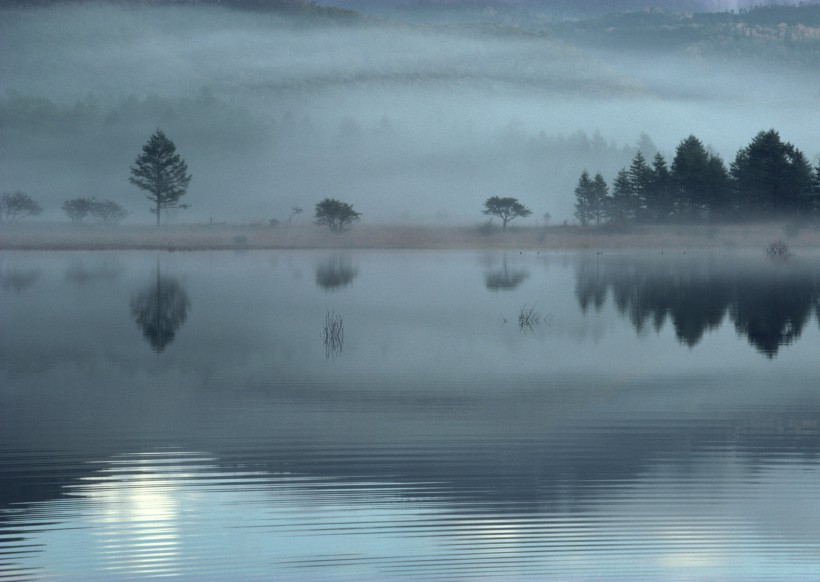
(769, 178)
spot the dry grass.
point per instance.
(34, 236)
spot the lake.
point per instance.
(416, 415)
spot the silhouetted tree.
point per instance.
(623, 203)
(109, 212)
(772, 176)
(506, 209)
(293, 212)
(17, 205)
(78, 208)
(640, 179)
(600, 193)
(160, 309)
(690, 174)
(161, 172)
(718, 194)
(658, 197)
(335, 215)
(815, 196)
(584, 199)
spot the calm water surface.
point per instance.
(186, 414)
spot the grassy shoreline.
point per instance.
(42, 236)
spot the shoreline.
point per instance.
(206, 237)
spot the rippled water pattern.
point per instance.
(182, 415)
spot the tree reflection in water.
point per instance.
(18, 280)
(505, 278)
(769, 304)
(160, 309)
(336, 272)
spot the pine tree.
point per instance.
(584, 199)
(640, 178)
(815, 193)
(623, 204)
(660, 203)
(600, 194)
(717, 194)
(772, 176)
(690, 171)
(162, 173)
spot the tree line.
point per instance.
(768, 178)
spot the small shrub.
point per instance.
(486, 228)
(240, 240)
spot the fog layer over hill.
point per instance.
(408, 122)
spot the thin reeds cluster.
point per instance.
(334, 334)
(529, 318)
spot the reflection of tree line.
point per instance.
(769, 304)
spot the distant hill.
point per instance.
(295, 7)
(784, 33)
(767, 33)
(557, 8)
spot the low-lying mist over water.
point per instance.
(409, 121)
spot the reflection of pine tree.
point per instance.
(589, 288)
(160, 309)
(772, 312)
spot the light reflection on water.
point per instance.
(441, 443)
(173, 514)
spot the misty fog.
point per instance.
(408, 121)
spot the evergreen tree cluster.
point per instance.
(769, 178)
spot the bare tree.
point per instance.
(17, 205)
(293, 212)
(109, 212)
(78, 208)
